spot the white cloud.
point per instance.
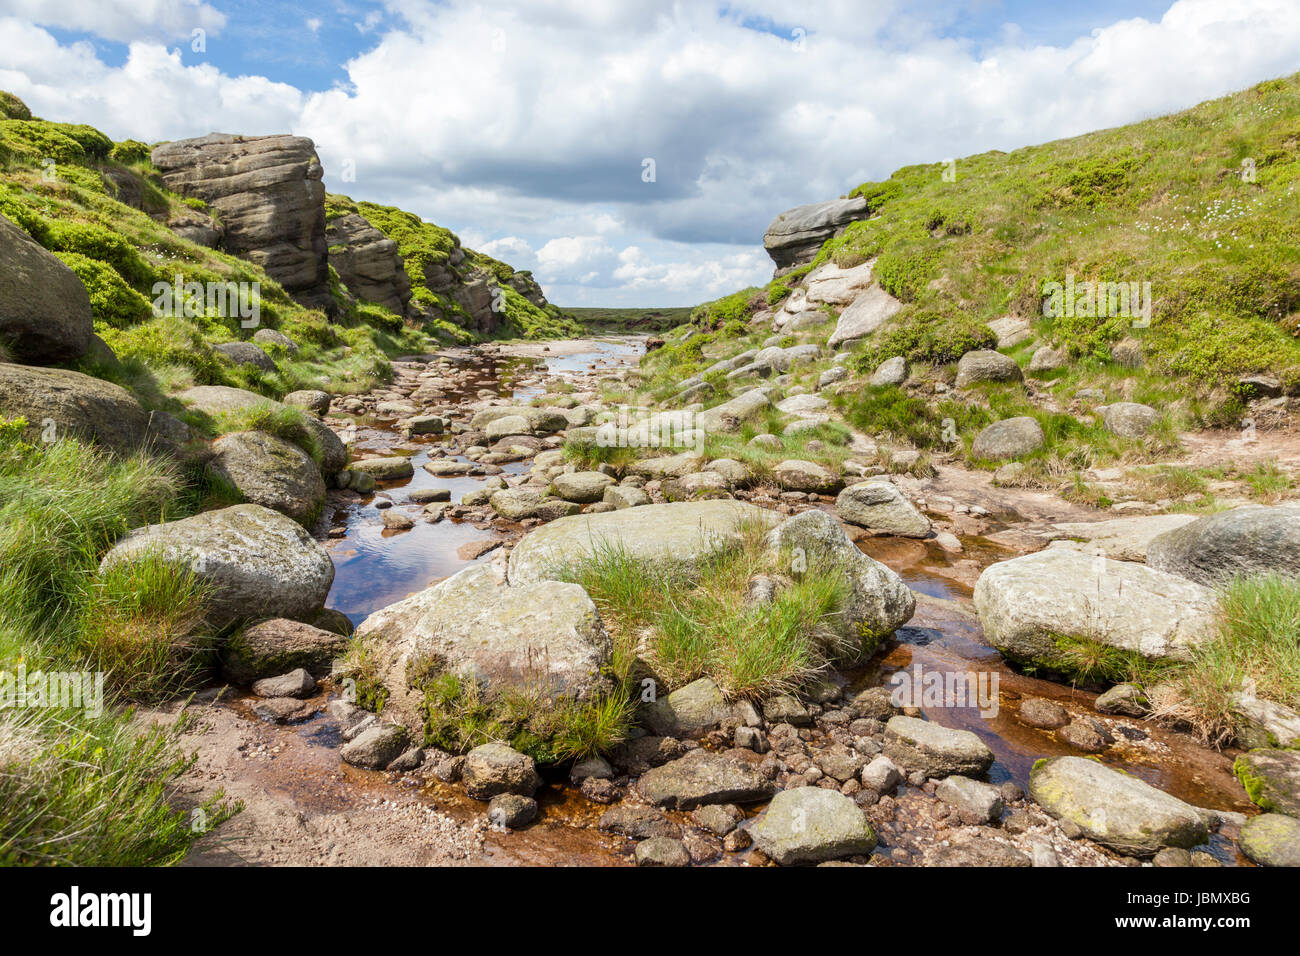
(522, 124)
(124, 21)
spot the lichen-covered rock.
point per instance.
(581, 486)
(798, 475)
(703, 777)
(543, 635)
(271, 472)
(878, 602)
(493, 769)
(258, 562)
(986, 365)
(811, 825)
(1033, 607)
(245, 353)
(687, 711)
(732, 414)
(393, 468)
(1008, 438)
(44, 309)
(675, 536)
(1271, 779)
(1271, 839)
(1129, 419)
(1114, 808)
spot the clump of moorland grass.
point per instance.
(78, 787)
(1256, 649)
(282, 421)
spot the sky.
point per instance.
(631, 153)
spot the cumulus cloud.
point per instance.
(124, 21)
(525, 124)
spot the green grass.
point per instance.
(629, 320)
(75, 787)
(1258, 641)
(282, 421)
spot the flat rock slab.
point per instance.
(936, 751)
(1123, 539)
(1114, 808)
(812, 825)
(703, 777)
(677, 536)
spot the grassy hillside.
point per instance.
(630, 320)
(1202, 204)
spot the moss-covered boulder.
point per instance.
(1271, 779)
(542, 637)
(216, 400)
(58, 403)
(1271, 839)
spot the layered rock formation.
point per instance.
(268, 193)
(795, 236)
(368, 262)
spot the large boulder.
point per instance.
(878, 602)
(1113, 807)
(812, 825)
(880, 507)
(1032, 606)
(216, 400)
(271, 472)
(44, 309)
(368, 262)
(986, 365)
(258, 562)
(1009, 438)
(795, 237)
(63, 404)
(865, 315)
(1124, 539)
(245, 353)
(1254, 539)
(537, 636)
(268, 193)
(795, 474)
(676, 537)
(1128, 419)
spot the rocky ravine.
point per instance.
(841, 772)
